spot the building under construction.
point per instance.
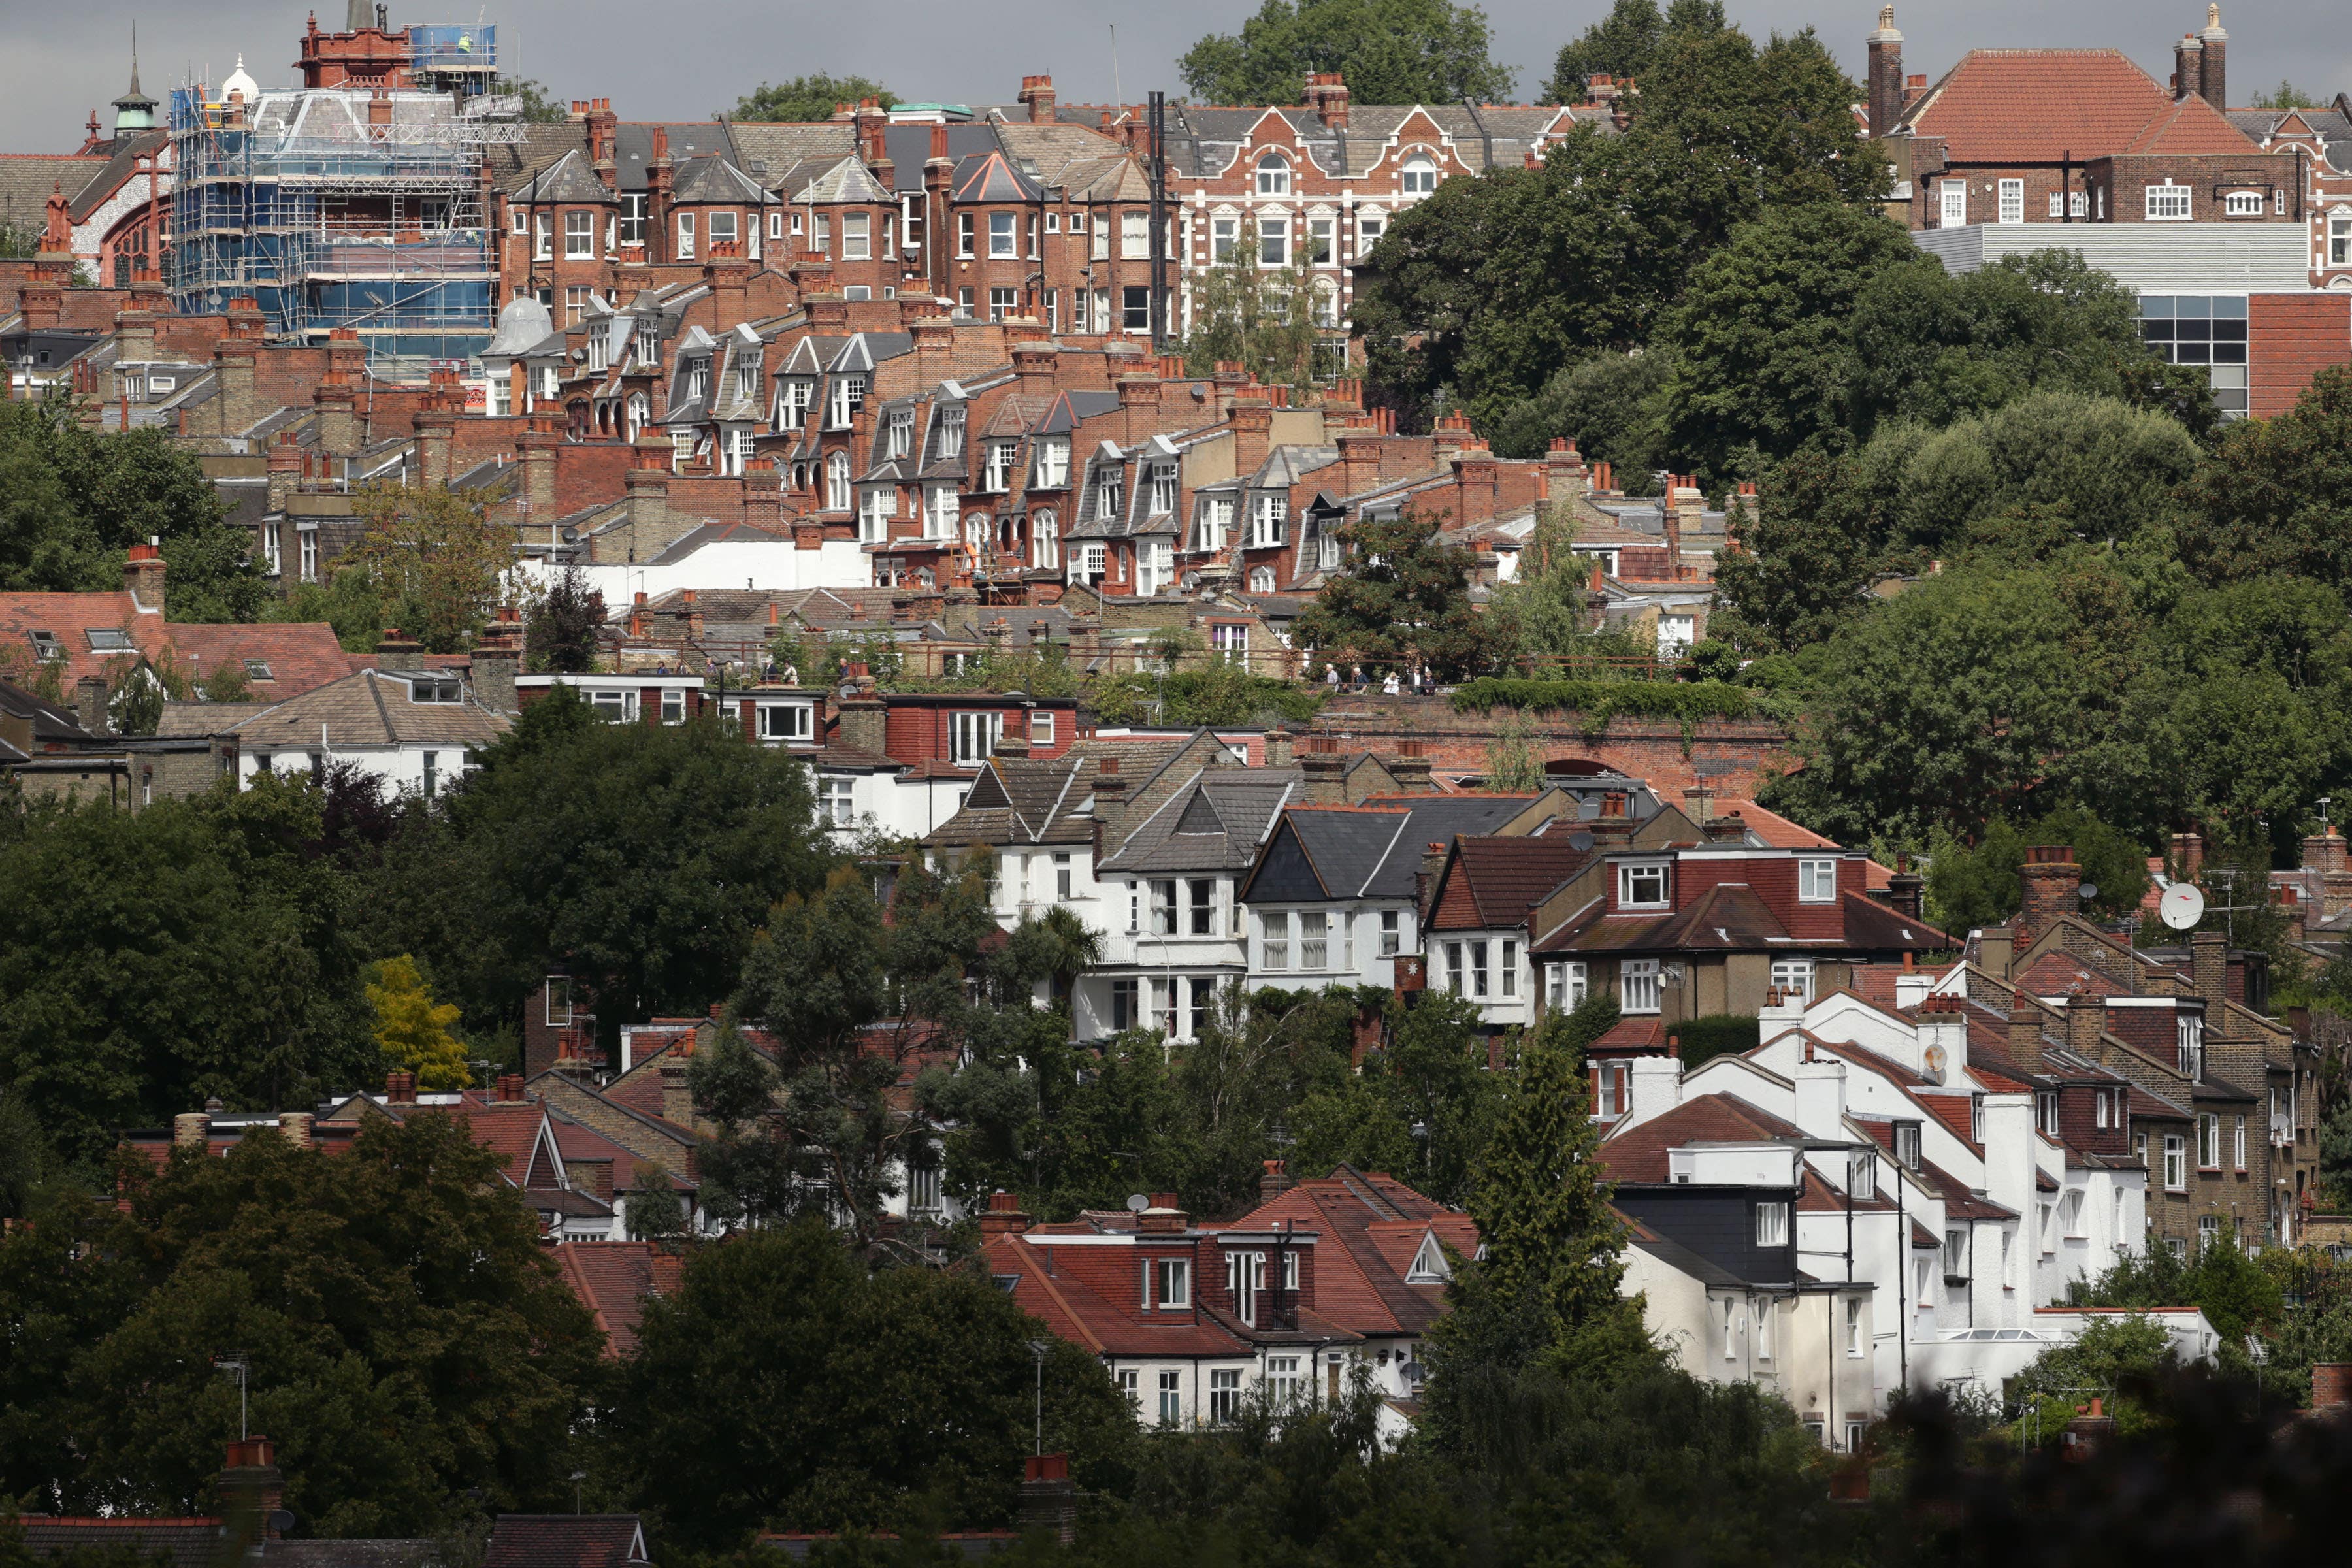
(361, 205)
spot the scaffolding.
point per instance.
(339, 207)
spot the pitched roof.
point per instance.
(178, 1543)
(1217, 823)
(613, 1279)
(2008, 106)
(298, 654)
(2190, 126)
(1370, 1227)
(1638, 1152)
(565, 1541)
(370, 708)
(1493, 882)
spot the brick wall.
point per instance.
(2290, 339)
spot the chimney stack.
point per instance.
(1037, 92)
(1003, 1215)
(2188, 67)
(2049, 877)
(1885, 98)
(142, 576)
(2214, 83)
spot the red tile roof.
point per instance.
(1493, 882)
(2021, 106)
(2189, 127)
(301, 656)
(1369, 1226)
(1638, 1153)
(565, 1541)
(1077, 1313)
(613, 1279)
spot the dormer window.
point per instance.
(1163, 489)
(793, 399)
(848, 396)
(952, 431)
(649, 345)
(698, 378)
(1641, 884)
(1906, 1144)
(1428, 1265)
(2190, 1029)
(999, 466)
(899, 439)
(1817, 881)
(747, 379)
(434, 689)
(1110, 492)
(1053, 462)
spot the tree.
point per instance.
(1797, 571)
(1973, 695)
(1405, 600)
(2286, 95)
(566, 627)
(1606, 403)
(1620, 45)
(1269, 322)
(1389, 51)
(351, 601)
(652, 1210)
(2275, 496)
(443, 562)
(73, 499)
(196, 948)
(1976, 886)
(784, 1387)
(816, 96)
(405, 1334)
(1935, 347)
(639, 858)
(1759, 336)
(412, 1029)
(1492, 285)
(539, 107)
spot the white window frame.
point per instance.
(2169, 203)
(1638, 990)
(1417, 176)
(787, 722)
(1567, 983)
(1632, 880)
(2012, 208)
(2242, 204)
(836, 797)
(972, 736)
(1954, 212)
(579, 235)
(1817, 881)
(857, 236)
(1773, 1223)
(1273, 172)
(2176, 1163)
(685, 236)
(1794, 974)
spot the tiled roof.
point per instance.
(1493, 882)
(300, 655)
(1638, 1152)
(1079, 1314)
(565, 1541)
(2189, 127)
(613, 1279)
(1370, 1227)
(2012, 106)
(370, 708)
(176, 1542)
(27, 179)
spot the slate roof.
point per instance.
(568, 179)
(710, 177)
(783, 147)
(513, 164)
(1729, 917)
(633, 147)
(2012, 106)
(992, 177)
(368, 709)
(1216, 823)
(121, 164)
(27, 180)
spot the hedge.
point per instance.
(1602, 700)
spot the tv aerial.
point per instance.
(2181, 907)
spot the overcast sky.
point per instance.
(687, 57)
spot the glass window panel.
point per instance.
(2191, 305)
(2230, 353)
(2155, 304)
(2231, 305)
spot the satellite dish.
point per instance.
(1137, 1203)
(2087, 891)
(2182, 906)
(1579, 840)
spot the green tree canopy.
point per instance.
(1405, 600)
(1976, 885)
(786, 1386)
(816, 96)
(405, 1335)
(196, 948)
(1245, 314)
(74, 499)
(1390, 51)
(2276, 494)
(639, 859)
(1803, 559)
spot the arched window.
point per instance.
(640, 411)
(836, 482)
(1261, 580)
(1420, 174)
(1044, 540)
(1274, 175)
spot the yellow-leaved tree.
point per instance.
(414, 1031)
